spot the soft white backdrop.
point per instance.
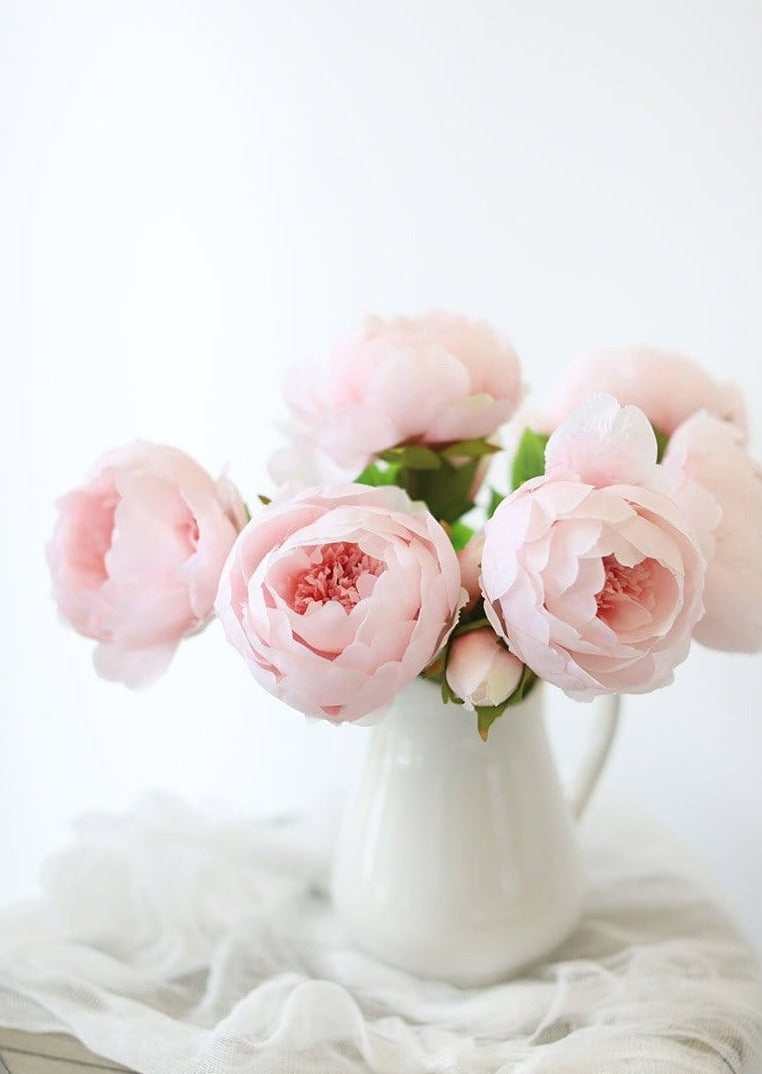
(196, 195)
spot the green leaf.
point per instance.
(460, 535)
(529, 460)
(471, 449)
(661, 442)
(247, 510)
(485, 717)
(446, 491)
(487, 714)
(412, 457)
(466, 628)
(262, 499)
(448, 697)
(495, 499)
(526, 682)
(376, 475)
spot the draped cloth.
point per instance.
(181, 940)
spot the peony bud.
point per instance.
(470, 560)
(480, 670)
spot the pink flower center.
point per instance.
(625, 587)
(91, 534)
(339, 572)
(189, 534)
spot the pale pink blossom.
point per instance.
(338, 597)
(667, 387)
(711, 452)
(433, 379)
(591, 574)
(480, 670)
(137, 553)
(470, 561)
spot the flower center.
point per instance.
(189, 534)
(340, 572)
(625, 586)
(92, 535)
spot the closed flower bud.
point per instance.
(480, 670)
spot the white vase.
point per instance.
(457, 859)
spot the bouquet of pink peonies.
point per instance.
(625, 522)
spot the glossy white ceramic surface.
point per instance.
(457, 858)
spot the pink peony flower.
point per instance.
(666, 387)
(591, 574)
(136, 556)
(338, 597)
(480, 670)
(432, 380)
(711, 452)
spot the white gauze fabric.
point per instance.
(180, 941)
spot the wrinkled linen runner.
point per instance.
(178, 940)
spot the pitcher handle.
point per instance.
(601, 739)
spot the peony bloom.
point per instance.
(591, 574)
(432, 380)
(338, 597)
(136, 556)
(711, 452)
(666, 387)
(480, 670)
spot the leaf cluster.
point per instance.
(444, 477)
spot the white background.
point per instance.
(197, 195)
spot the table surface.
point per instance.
(47, 1053)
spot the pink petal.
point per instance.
(136, 668)
(603, 443)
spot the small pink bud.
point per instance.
(470, 560)
(480, 670)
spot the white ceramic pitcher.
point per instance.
(458, 859)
